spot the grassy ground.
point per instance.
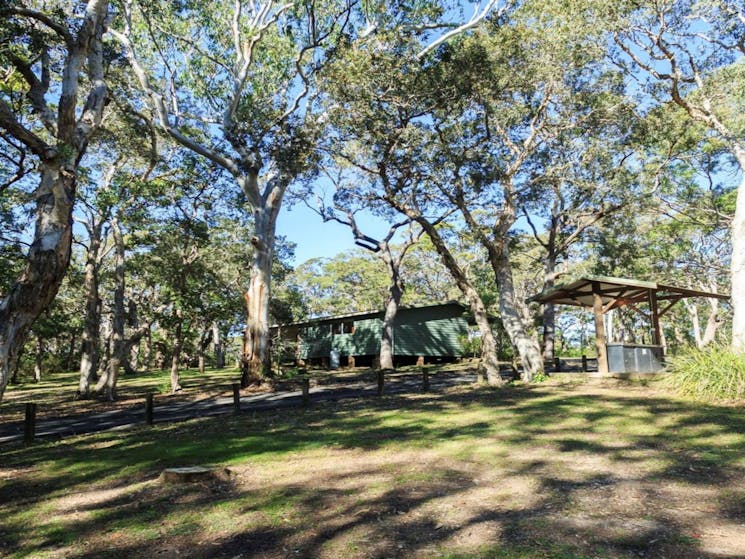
(55, 394)
(548, 471)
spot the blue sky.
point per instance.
(313, 238)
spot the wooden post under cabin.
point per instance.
(236, 398)
(350, 361)
(425, 379)
(306, 391)
(381, 381)
(420, 361)
(557, 364)
(29, 424)
(584, 363)
(149, 409)
(597, 309)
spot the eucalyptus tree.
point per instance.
(583, 176)
(349, 199)
(232, 83)
(51, 104)
(114, 196)
(379, 99)
(691, 54)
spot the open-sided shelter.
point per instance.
(603, 294)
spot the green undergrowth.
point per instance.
(713, 374)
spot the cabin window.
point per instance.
(342, 328)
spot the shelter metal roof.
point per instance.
(617, 292)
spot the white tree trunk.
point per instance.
(256, 356)
(389, 317)
(110, 376)
(92, 325)
(38, 358)
(49, 254)
(217, 341)
(738, 264)
(712, 324)
(511, 311)
(46, 264)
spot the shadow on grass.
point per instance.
(650, 441)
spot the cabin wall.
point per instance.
(428, 332)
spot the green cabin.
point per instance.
(420, 334)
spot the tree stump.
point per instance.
(194, 474)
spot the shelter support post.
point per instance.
(597, 310)
(655, 317)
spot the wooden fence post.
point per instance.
(306, 391)
(149, 409)
(381, 381)
(425, 379)
(584, 363)
(29, 425)
(557, 364)
(236, 398)
(479, 373)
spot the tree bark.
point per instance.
(178, 343)
(92, 324)
(737, 273)
(38, 358)
(549, 309)
(49, 255)
(217, 341)
(712, 323)
(489, 361)
(256, 358)
(108, 381)
(46, 264)
(395, 292)
(511, 310)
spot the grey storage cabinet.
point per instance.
(634, 358)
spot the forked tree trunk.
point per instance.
(110, 376)
(511, 309)
(489, 361)
(89, 358)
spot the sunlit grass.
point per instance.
(542, 442)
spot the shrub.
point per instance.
(714, 373)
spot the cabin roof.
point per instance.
(364, 315)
